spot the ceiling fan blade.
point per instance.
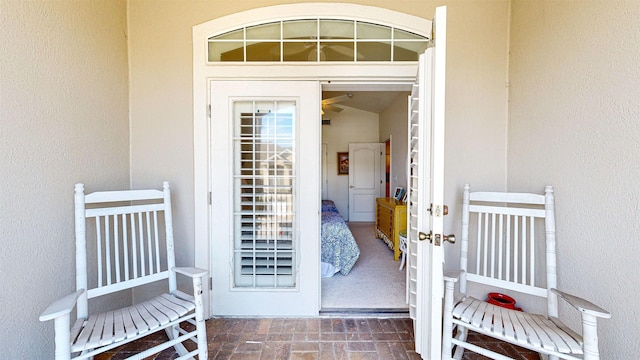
(331, 108)
(337, 99)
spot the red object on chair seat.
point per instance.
(502, 300)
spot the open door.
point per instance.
(425, 176)
(265, 197)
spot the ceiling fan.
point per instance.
(308, 51)
(327, 104)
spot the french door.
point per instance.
(265, 191)
(425, 175)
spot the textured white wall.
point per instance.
(574, 123)
(64, 119)
(393, 124)
(348, 126)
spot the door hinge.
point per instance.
(209, 111)
(210, 284)
(209, 197)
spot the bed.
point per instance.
(339, 248)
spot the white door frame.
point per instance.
(337, 77)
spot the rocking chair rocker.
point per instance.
(504, 242)
(125, 229)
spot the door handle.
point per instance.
(351, 186)
(423, 236)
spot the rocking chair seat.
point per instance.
(531, 331)
(129, 323)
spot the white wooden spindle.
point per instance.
(157, 240)
(493, 245)
(99, 249)
(116, 244)
(485, 225)
(516, 240)
(107, 246)
(125, 245)
(508, 240)
(143, 270)
(134, 245)
(532, 252)
(524, 250)
(478, 243)
(149, 242)
(500, 245)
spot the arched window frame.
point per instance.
(315, 39)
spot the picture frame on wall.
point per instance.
(343, 163)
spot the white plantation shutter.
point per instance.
(264, 182)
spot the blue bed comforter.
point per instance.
(339, 247)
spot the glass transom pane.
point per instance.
(336, 29)
(372, 31)
(316, 40)
(264, 193)
(266, 31)
(301, 29)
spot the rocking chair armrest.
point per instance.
(582, 305)
(452, 275)
(191, 272)
(60, 307)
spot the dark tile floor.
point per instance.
(317, 338)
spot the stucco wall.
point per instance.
(574, 123)
(64, 119)
(348, 126)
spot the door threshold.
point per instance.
(364, 312)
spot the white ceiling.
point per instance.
(372, 101)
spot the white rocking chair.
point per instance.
(125, 229)
(504, 240)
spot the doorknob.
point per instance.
(351, 186)
(422, 236)
(450, 238)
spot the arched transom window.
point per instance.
(316, 40)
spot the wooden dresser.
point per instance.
(391, 218)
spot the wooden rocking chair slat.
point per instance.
(84, 334)
(147, 319)
(179, 302)
(129, 242)
(478, 314)
(537, 336)
(118, 325)
(507, 324)
(133, 322)
(506, 237)
(107, 332)
(487, 320)
(553, 335)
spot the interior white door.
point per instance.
(364, 180)
(265, 198)
(426, 194)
